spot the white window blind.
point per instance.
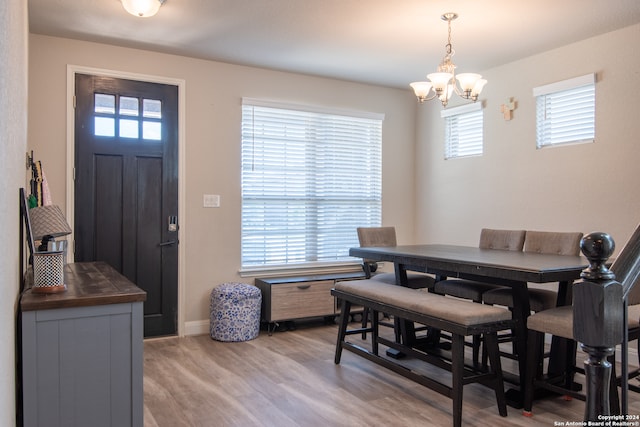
(565, 111)
(309, 179)
(463, 131)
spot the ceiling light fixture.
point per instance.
(444, 81)
(142, 8)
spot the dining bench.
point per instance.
(458, 317)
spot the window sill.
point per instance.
(301, 269)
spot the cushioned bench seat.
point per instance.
(460, 318)
(425, 303)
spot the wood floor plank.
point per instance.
(289, 379)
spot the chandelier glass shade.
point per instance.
(443, 83)
(142, 8)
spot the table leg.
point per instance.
(404, 331)
(407, 329)
(561, 347)
(521, 311)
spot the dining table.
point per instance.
(501, 267)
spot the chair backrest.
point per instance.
(552, 242)
(371, 237)
(626, 267)
(377, 236)
(508, 240)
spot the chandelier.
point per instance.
(444, 82)
(142, 8)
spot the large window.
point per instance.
(565, 111)
(463, 130)
(309, 178)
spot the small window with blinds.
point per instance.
(463, 131)
(310, 177)
(565, 112)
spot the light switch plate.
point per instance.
(211, 200)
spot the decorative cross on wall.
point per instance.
(507, 108)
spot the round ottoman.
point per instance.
(235, 312)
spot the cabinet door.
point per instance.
(83, 366)
(301, 299)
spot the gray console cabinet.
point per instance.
(82, 351)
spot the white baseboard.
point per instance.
(197, 327)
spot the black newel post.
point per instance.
(597, 321)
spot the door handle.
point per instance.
(168, 243)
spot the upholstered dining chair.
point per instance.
(558, 321)
(383, 237)
(506, 240)
(543, 242)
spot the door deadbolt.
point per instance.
(173, 223)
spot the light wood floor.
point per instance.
(289, 379)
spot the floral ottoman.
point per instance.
(235, 312)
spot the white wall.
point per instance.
(211, 237)
(590, 187)
(513, 185)
(13, 142)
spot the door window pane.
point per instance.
(128, 106)
(128, 128)
(104, 126)
(105, 104)
(152, 130)
(152, 108)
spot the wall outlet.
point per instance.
(211, 200)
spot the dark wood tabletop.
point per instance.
(88, 284)
(476, 263)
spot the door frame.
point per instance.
(72, 70)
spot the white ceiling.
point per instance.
(386, 42)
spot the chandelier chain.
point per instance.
(449, 38)
(444, 82)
